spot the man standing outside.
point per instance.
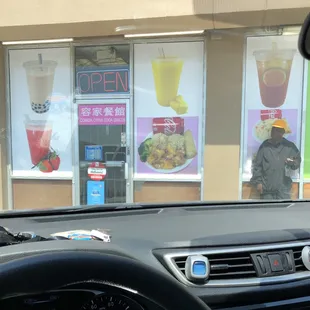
(275, 162)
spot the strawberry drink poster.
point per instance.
(41, 113)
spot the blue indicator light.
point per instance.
(199, 268)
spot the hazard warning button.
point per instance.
(275, 262)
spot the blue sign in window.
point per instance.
(93, 152)
(95, 192)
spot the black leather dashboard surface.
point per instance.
(136, 233)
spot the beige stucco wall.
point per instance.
(19, 20)
(223, 116)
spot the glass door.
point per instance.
(103, 151)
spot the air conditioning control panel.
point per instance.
(274, 263)
(238, 266)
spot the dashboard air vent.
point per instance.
(225, 266)
(297, 258)
(235, 266)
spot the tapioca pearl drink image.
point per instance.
(167, 73)
(40, 80)
(39, 134)
(274, 69)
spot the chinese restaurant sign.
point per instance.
(102, 114)
(100, 80)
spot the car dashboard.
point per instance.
(254, 252)
(82, 296)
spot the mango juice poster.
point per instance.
(41, 112)
(273, 90)
(168, 106)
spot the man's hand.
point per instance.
(291, 161)
(259, 188)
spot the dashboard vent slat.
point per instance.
(299, 266)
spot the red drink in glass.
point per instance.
(39, 134)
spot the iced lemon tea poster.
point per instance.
(273, 90)
(41, 112)
(168, 92)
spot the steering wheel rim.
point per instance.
(43, 272)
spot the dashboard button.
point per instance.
(275, 262)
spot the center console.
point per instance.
(291, 304)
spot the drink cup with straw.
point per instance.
(274, 70)
(166, 73)
(40, 80)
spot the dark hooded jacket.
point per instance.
(269, 165)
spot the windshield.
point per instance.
(186, 103)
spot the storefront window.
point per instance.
(273, 98)
(102, 153)
(168, 101)
(132, 122)
(102, 72)
(41, 126)
(306, 171)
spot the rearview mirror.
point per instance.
(304, 39)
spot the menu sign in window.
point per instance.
(168, 105)
(273, 91)
(41, 113)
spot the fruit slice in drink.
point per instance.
(167, 73)
(39, 135)
(274, 69)
(40, 80)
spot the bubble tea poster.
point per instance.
(273, 90)
(41, 112)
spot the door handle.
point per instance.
(126, 170)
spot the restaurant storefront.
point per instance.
(171, 118)
(106, 119)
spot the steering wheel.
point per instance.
(50, 271)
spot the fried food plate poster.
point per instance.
(168, 98)
(40, 112)
(273, 90)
